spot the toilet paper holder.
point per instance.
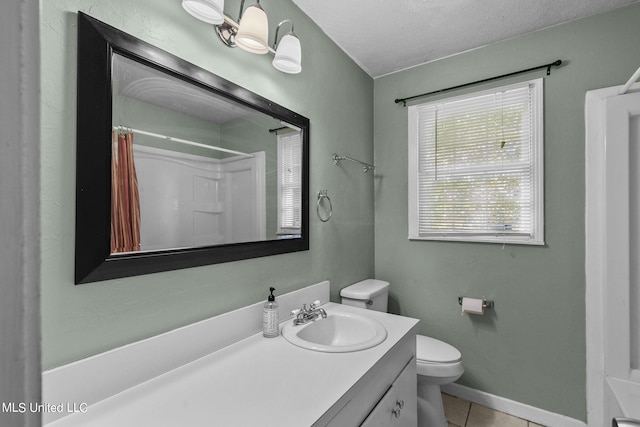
(485, 303)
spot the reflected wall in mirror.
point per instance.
(177, 167)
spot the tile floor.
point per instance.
(462, 413)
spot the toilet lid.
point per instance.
(365, 289)
(432, 350)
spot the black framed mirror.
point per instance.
(178, 167)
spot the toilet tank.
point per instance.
(371, 294)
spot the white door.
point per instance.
(244, 186)
(622, 238)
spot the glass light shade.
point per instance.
(253, 33)
(288, 57)
(210, 11)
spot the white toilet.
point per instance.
(437, 362)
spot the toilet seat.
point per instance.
(431, 350)
(437, 360)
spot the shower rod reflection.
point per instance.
(181, 141)
(366, 166)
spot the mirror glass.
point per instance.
(206, 170)
(178, 167)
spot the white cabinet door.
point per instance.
(398, 407)
(356, 405)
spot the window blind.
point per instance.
(289, 184)
(478, 165)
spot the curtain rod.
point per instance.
(278, 129)
(181, 141)
(547, 66)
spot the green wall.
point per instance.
(79, 321)
(531, 347)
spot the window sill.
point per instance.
(511, 240)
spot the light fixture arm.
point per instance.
(227, 32)
(242, 9)
(275, 40)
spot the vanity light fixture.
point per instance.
(253, 31)
(288, 53)
(250, 33)
(210, 11)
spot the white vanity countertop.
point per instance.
(626, 394)
(255, 382)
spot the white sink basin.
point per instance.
(339, 332)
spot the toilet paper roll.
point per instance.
(472, 306)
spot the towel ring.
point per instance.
(322, 194)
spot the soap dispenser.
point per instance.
(270, 321)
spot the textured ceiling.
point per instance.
(383, 36)
(143, 83)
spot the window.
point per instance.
(289, 185)
(475, 167)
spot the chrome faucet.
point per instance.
(625, 422)
(305, 315)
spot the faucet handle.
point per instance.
(295, 312)
(314, 304)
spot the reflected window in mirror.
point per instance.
(289, 184)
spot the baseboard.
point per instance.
(511, 407)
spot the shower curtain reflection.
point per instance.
(125, 200)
